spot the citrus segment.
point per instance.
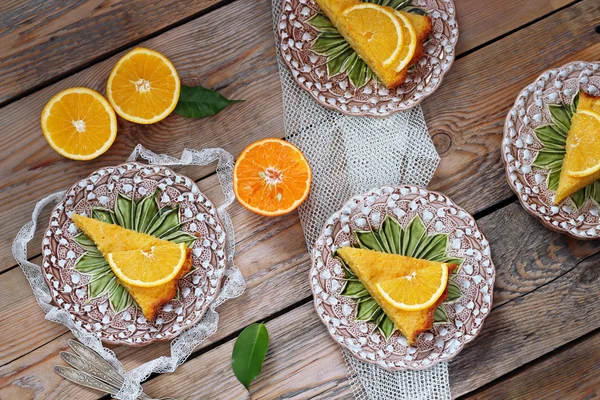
(154, 267)
(410, 42)
(79, 123)
(585, 145)
(378, 29)
(143, 87)
(271, 177)
(417, 290)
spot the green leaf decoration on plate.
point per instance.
(143, 216)
(340, 56)
(249, 352)
(554, 139)
(413, 242)
(200, 102)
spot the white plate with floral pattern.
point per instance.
(150, 199)
(533, 149)
(446, 233)
(310, 47)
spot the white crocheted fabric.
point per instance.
(349, 156)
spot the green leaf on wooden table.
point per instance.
(200, 102)
(340, 56)
(249, 352)
(410, 241)
(550, 157)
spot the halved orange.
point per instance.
(79, 123)
(155, 267)
(417, 290)
(144, 86)
(271, 177)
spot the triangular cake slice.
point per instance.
(583, 136)
(372, 267)
(421, 24)
(110, 238)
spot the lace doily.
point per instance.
(181, 347)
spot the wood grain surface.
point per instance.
(572, 372)
(545, 282)
(53, 37)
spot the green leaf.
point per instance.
(87, 244)
(548, 159)
(358, 72)
(321, 23)
(574, 103)
(145, 212)
(249, 352)
(338, 64)
(181, 237)
(123, 211)
(367, 309)
(330, 45)
(200, 102)
(91, 264)
(580, 197)
(168, 222)
(440, 316)
(119, 298)
(560, 118)
(415, 232)
(596, 191)
(392, 231)
(104, 215)
(553, 178)
(386, 326)
(454, 292)
(369, 240)
(354, 289)
(97, 287)
(432, 247)
(550, 137)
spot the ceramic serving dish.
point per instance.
(447, 232)
(82, 283)
(533, 151)
(303, 33)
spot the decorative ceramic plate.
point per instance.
(434, 228)
(338, 79)
(150, 199)
(533, 149)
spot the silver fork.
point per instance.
(92, 371)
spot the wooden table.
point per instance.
(542, 339)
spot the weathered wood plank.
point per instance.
(43, 35)
(528, 258)
(303, 361)
(572, 372)
(246, 69)
(53, 37)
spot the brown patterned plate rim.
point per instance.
(402, 107)
(346, 346)
(524, 203)
(220, 267)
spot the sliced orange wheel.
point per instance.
(79, 123)
(410, 42)
(155, 267)
(143, 87)
(417, 290)
(377, 30)
(271, 177)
